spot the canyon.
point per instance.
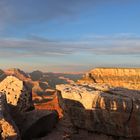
(103, 104)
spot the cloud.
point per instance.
(42, 47)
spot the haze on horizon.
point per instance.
(69, 35)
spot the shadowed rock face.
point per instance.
(38, 123)
(9, 130)
(120, 77)
(112, 111)
(36, 75)
(2, 75)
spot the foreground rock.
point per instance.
(120, 77)
(8, 129)
(17, 94)
(111, 111)
(16, 101)
(37, 123)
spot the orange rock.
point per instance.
(120, 77)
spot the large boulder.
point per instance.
(120, 77)
(112, 111)
(18, 95)
(8, 128)
(37, 123)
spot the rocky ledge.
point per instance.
(101, 108)
(120, 77)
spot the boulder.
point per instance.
(103, 109)
(8, 128)
(17, 94)
(37, 123)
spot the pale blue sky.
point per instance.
(69, 35)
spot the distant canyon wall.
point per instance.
(118, 77)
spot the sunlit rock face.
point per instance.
(104, 109)
(120, 77)
(8, 128)
(17, 73)
(17, 94)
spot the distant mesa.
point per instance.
(120, 77)
(36, 75)
(17, 73)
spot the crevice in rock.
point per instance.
(130, 116)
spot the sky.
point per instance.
(69, 35)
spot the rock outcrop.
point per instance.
(18, 96)
(37, 123)
(103, 109)
(17, 117)
(120, 77)
(8, 128)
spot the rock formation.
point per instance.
(36, 75)
(37, 123)
(103, 109)
(101, 106)
(8, 128)
(18, 96)
(120, 77)
(17, 117)
(17, 73)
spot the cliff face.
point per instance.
(118, 77)
(103, 109)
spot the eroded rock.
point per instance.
(8, 128)
(112, 111)
(17, 94)
(120, 77)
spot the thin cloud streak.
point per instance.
(44, 47)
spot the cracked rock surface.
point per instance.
(102, 108)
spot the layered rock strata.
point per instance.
(103, 109)
(120, 77)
